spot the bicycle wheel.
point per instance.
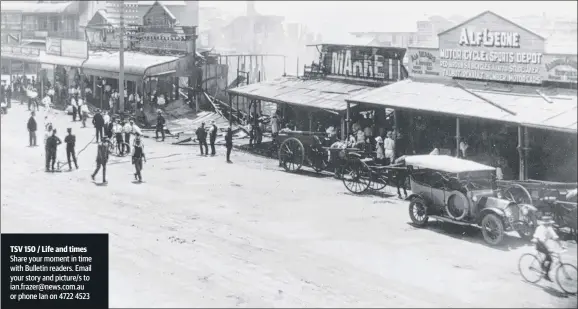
(566, 277)
(530, 268)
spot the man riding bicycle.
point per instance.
(543, 233)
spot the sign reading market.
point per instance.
(475, 51)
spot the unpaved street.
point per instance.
(200, 232)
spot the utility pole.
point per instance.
(121, 57)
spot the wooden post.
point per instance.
(457, 137)
(347, 121)
(230, 110)
(343, 128)
(521, 161)
(526, 152)
(94, 86)
(395, 124)
(310, 122)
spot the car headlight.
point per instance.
(475, 198)
(525, 211)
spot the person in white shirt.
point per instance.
(135, 129)
(47, 103)
(545, 232)
(106, 119)
(79, 101)
(389, 148)
(128, 129)
(117, 130)
(84, 112)
(74, 105)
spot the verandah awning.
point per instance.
(530, 110)
(321, 94)
(135, 64)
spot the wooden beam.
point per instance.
(521, 162)
(457, 137)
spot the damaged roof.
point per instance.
(322, 94)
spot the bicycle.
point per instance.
(566, 274)
(113, 148)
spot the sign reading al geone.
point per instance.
(494, 49)
(561, 68)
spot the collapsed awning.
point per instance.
(559, 114)
(320, 94)
(106, 64)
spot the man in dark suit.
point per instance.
(70, 141)
(98, 122)
(101, 159)
(51, 146)
(160, 125)
(213, 137)
(32, 127)
(202, 138)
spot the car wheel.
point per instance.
(492, 229)
(418, 212)
(526, 231)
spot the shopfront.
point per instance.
(491, 85)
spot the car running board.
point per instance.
(452, 221)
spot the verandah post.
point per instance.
(457, 137)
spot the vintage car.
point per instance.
(464, 192)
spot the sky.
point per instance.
(339, 17)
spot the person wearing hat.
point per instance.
(84, 112)
(117, 131)
(389, 148)
(51, 146)
(101, 159)
(213, 137)
(229, 143)
(98, 122)
(137, 157)
(160, 125)
(379, 150)
(70, 141)
(274, 126)
(545, 232)
(74, 104)
(202, 138)
(32, 127)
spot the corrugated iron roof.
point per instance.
(33, 7)
(530, 110)
(321, 94)
(134, 63)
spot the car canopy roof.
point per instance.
(446, 164)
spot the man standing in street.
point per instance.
(160, 125)
(70, 141)
(32, 127)
(202, 138)
(138, 157)
(74, 105)
(117, 130)
(83, 112)
(229, 143)
(98, 123)
(101, 159)
(127, 130)
(213, 137)
(52, 143)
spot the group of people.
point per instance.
(213, 131)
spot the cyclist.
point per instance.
(543, 233)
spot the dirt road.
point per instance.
(200, 232)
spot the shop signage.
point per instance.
(561, 68)
(53, 46)
(74, 49)
(424, 61)
(362, 62)
(492, 55)
(18, 50)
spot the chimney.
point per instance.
(251, 8)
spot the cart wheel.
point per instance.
(492, 229)
(291, 154)
(377, 183)
(356, 176)
(518, 194)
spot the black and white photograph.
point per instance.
(289, 154)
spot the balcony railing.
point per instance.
(40, 34)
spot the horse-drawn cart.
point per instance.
(547, 197)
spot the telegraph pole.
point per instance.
(121, 57)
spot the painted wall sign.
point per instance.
(492, 64)
(74, 49)
(18, 50)
(424, 61)
(53, 46)
(560, 68)
(361, 62)
(492, 48)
